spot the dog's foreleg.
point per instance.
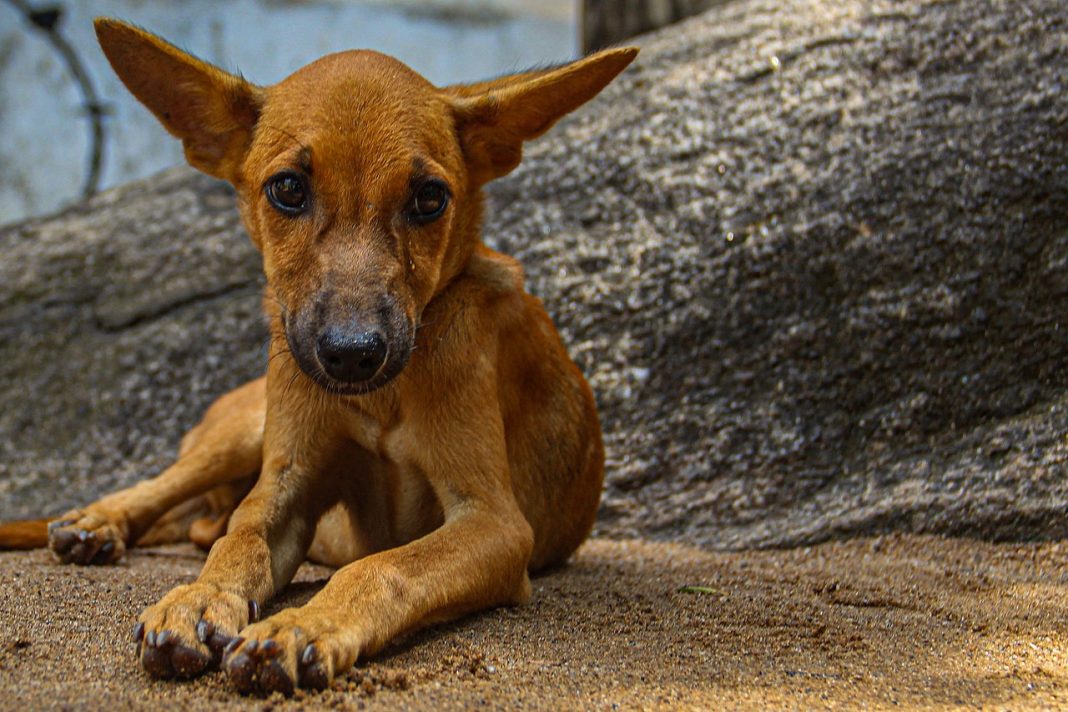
(267, 539)
(477, 558)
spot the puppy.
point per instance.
(420, 425)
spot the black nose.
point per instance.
(351, 357)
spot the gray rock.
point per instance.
(813, 257)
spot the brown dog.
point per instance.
(420, 425)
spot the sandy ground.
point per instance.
(902, 622)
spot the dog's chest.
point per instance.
(389, 500)
(365, 429)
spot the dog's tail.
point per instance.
(27, 534)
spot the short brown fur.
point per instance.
(470, 457)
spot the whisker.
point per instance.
(280, 352)
(296, 374)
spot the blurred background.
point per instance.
(68, 129)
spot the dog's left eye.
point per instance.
(429, 201)
(287, 193)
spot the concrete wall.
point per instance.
(45, 130)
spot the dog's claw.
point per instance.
(164, 638)
(139, 632)
(309, 656)
(270, 648)
(150, 639)
(253, 611)
(233, 645)
(218, 643)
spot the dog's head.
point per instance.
(358, 180)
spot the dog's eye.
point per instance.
(429, 201)
(286, 192)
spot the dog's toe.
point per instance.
(189, 662)
(242, 669)
(296, 647)
(60, 539)
(155, 659)
(274, 678)
(313, 674)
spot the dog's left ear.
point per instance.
(494, 118)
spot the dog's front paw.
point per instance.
(185, 633)
(297, 647)
(88, 537)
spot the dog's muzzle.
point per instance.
(351, 353)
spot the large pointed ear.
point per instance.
(494, 118)
(212, 112)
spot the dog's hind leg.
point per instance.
(200, 520)
(224, 449)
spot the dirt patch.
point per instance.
(904, 620)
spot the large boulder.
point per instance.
(813, 257)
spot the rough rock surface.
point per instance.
(813, 257)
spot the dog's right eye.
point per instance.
(286, 192)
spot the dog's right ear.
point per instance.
(212, 112)
(494, 118)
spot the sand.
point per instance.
(894, 622)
